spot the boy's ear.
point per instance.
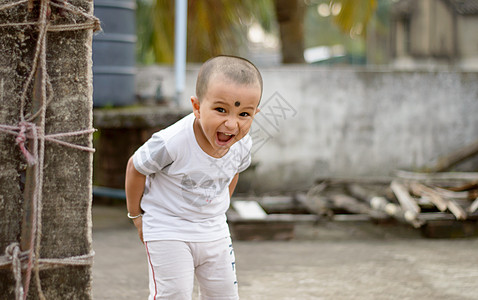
(195, 103)
(258, 109)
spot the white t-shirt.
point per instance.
(186, 193)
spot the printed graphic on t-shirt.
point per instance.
(200, 189)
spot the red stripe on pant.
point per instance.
(152, 271)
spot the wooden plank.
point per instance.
(283, 205)
(317, 189)
(464, 187)
(276, 200)
(447, 162)
(351, 217)
(294, 218)
(364, 193)
(435, 216)
(379, 203)
(315, 202)
(450, 229)
(403, 196)
(382, 204)
(456, 210)
(425, 203)
(304, 201)
(349, 204)
(434, 197)
(411, 210)
(451, 194)
(473, 207)
(249, 210)
(437, 176)
(234, 217)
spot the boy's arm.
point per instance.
(134, 188)
(233, 184)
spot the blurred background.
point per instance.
(368, 121)
(313, 31)
(354, 90)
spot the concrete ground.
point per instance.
(327, 261)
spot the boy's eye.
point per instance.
(220, 109)
(244, 114)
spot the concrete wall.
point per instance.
(323, 122)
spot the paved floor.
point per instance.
(329, 261)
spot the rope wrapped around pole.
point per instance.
(31, 130)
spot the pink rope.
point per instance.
(27, 130)
(22, 138)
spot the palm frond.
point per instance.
(354, 15)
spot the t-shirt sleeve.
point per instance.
(246, 153)
(152, 157)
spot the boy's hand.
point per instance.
(138, 222)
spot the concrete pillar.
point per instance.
(66, 196)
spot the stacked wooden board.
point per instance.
(434, 202)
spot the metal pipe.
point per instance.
(107, 192)
(180, 44)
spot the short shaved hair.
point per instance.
(237, 69)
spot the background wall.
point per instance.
(321, 122)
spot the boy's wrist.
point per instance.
(134, 216)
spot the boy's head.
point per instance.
(228, 91)
(236, 69)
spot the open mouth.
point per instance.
(224, 138)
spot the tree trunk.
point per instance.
(67, 172)
(290, 15)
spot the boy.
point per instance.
(179, 183)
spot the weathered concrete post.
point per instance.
(64, 89)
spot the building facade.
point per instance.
(431, 33)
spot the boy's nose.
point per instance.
(231, 123)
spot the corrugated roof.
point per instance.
(462, 7)
(465, 7)
(403, 7)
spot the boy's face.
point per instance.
(225, 114)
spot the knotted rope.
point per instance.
(13, 253)
(28, 130)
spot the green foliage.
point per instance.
(145, 32)
(220, 26)
(322, 31)
(325, 31)
(354, 15)
(214, 27)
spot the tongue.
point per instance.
(222, 137)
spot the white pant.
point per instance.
(173, 264)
